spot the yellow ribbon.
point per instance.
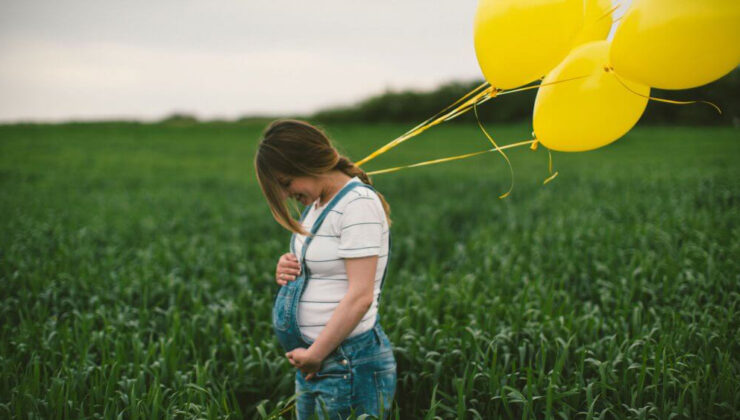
(652, 98)
(508, 162)
(609, 12)
(549, 168)
(472, 99)
(451, 158)
(457, 108)
(534, 146)
(477, 96)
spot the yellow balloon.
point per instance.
(587, 112)
(596, 23)
(519, 41)
(677, 44)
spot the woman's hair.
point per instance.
(291, 148)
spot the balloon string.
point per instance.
(534, 147)
(668, 101)
(463, 104)
(522, 89)
(475, 91)
(451, 158)
(477, 96)
(494, 92)
(508, 162)
(499, 93)
(606, 14)
(609, 12)
(549, 168)
(550, 178)
(437, 119)
(466, 96)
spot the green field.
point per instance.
(136, 270)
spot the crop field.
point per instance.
(137, 261)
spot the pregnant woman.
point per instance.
(326, 312)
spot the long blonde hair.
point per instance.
(292, 148)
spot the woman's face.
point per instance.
(305, 189)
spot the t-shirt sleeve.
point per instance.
(361, 228)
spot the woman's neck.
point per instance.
(333, 182)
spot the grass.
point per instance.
(136, 275)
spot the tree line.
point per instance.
(411, 106)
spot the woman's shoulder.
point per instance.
(361, 200)
(357, 195)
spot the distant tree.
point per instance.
(179, 118)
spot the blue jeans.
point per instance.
(358, 377)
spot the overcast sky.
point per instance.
(87, 60)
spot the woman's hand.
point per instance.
(305, 361)
(287, 269)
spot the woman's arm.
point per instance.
(344, 319)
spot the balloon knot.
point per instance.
(535, 145)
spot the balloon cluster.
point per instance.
(594, 91)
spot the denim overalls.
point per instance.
(360, 374)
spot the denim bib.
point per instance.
(285, 308)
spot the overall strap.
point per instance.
(322, 216)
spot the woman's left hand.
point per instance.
(305, 361)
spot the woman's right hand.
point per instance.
(287, 269)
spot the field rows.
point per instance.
(136, 275)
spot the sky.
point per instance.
(115, 59)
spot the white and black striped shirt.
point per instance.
(355, 227)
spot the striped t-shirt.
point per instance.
(355, 227)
